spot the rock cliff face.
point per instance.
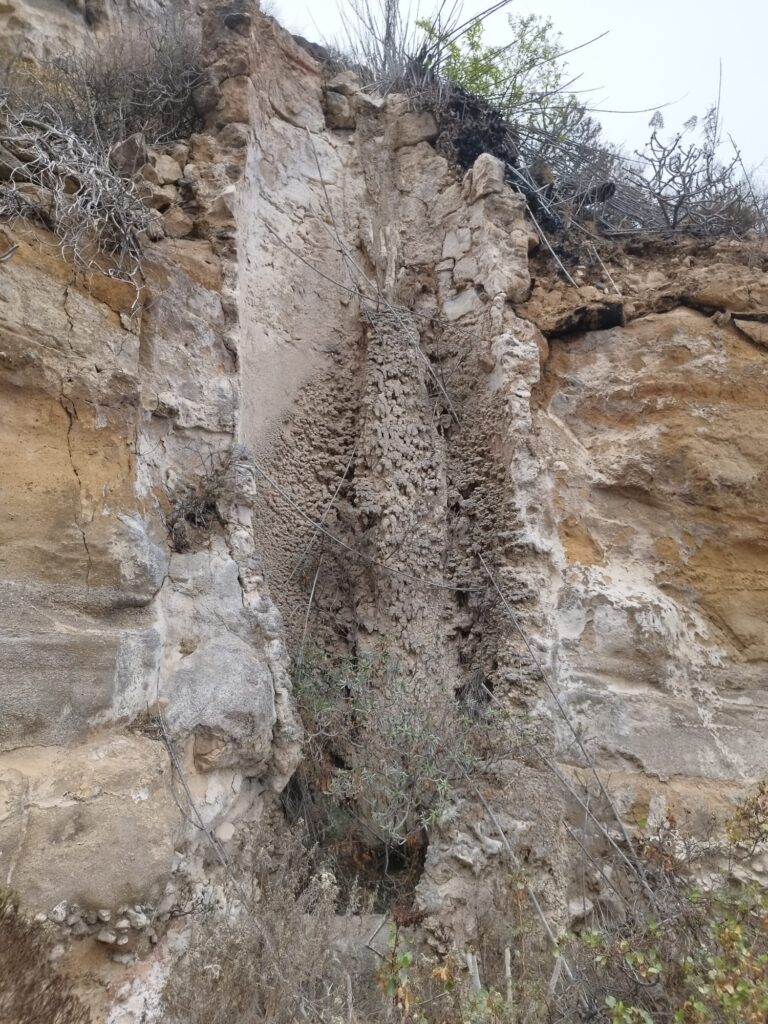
(332, 404)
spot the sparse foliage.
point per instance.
(693, 189)
(395, 752)
(699, 955)
(140, 79)
(58, 179)
(272, 964)
(381, 40)
(526, 80)
(424, 988)
(747, 829)
(517, 102)
(283, 962)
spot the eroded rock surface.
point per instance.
(656, 437)
(346, 402)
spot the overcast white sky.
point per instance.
(656, 51)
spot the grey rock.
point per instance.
(143, 561)
(167, 903)
(167, 169)
(346, 82)
(126, 959)
(129, 155)
(223, 693)
(177, 223)
(338, 111)
(414, 127)
(138, 919)
(59, 913)
(365, 103)
(206, 96)
(487, 176)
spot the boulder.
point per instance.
(168, 169)
(487, 176)
(223, 694)
(346, 82)
(177, 223)
(414, 127)
(128, 156)
(339, 112)
(237, 100)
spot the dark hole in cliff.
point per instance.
(383, 876)
(475, 694)
(598, 316)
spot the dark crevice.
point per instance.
(71, 414)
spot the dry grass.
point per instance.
(273, 963)
(194, 500)
(141, 78)
(31, 990)
(64, 182)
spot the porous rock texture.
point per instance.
(412, 437)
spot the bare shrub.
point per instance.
(286, 960)
(60, 120)
(379, 38)
(516, 101)
(31, 990)
(194, 500)
(141, 78)
(60, 180)
(691, 187)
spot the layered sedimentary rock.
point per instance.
(128, 649)
(408, 437)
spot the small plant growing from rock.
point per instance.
(194, 502)
(193, 508)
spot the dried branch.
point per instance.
(63, 182)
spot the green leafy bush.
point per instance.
(526, 80)
(394, 754)
(699, 954)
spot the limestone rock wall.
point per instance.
(654, 434)
(408, 431)
(144, 694)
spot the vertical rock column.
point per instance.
(400, 497)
